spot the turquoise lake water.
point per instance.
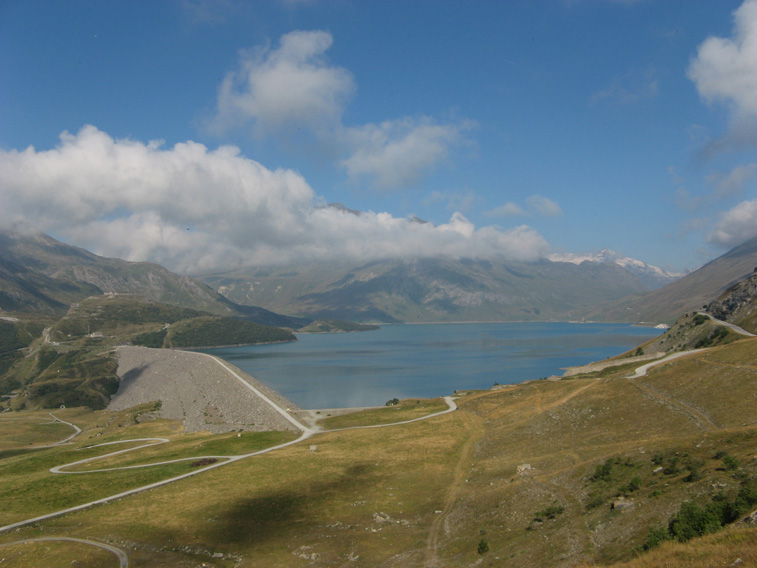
(344, 370)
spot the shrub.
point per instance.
(692, 520)
(655, 537)
(483, 546)
(699, 319)
(730, 462)
(603, 472)
(550, 512)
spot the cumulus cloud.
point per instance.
(725, 70)
(293, 90)
(544, 206)
(397, 153)
(736, 226)
(509, 209)
(287, 87)
(194, 210)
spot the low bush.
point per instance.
(693, 520)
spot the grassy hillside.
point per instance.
(545, 473)
(72, 363)
(212, 331)
(39, 274)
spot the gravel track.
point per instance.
(195, 389)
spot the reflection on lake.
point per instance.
(425, 360)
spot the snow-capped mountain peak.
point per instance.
(653, 276)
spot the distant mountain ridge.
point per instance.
(690, 292)
(652, 276)
(434, 289)
(40, 274)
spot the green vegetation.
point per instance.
(592, 469)
(332, 326)
(212, 331)
(715, 337)
(408, 409)
(72, 366)
(549, 513)
(699, 319)
(15, 337)
(693, 520)
(154, 339)
(72, 378)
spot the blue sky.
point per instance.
(207, 134)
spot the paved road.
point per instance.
(735, 328)
(306, 432)
(641, 371)
(123, 559)
(77, 431)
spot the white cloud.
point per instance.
(193, 209)
(725, 69)
(293, 90)
(398, 153)
(509, 209)
(733, 182)
(736, 225)
(285, 88)
(544, 206)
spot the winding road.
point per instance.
(306, 433)
(123, 559)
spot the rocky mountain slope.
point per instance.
(41, 274)
(652, 276)
(738, 305)
(689, 293)
(433, 289)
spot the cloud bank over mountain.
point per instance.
(193, 209)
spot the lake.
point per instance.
(345, 370)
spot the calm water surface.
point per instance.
(427, 360)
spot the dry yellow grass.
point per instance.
(426, 493)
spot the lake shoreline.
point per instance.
(402, 361)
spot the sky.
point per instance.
(209, 135)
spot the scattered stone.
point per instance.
(524, 469)
(620, 504)
(196, 390)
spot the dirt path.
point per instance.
(699, 417)
(431, 559)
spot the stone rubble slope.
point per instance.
(195, 389)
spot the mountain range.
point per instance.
(690, 292)
(41, 274)
(444, 290)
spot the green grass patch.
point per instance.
(409, 409)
